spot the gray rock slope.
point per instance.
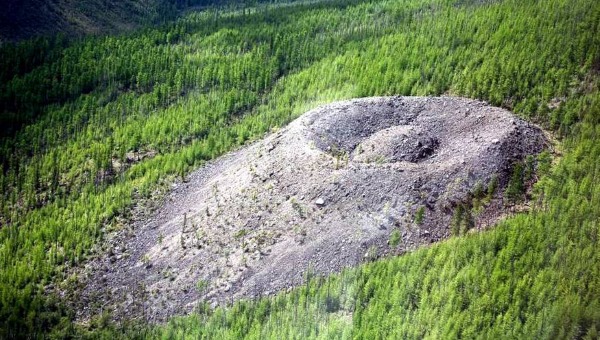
(324, 193)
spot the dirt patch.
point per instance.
(324, 193)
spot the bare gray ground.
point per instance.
(323, 193)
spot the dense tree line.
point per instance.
(108, 120)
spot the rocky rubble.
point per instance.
(324, 193)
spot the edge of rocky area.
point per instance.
(343, 184)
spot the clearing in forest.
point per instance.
(344, 183)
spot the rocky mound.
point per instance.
(324, 193)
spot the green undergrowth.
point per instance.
(106, 121)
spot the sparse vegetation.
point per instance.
(419, 215)
(460, 219)
(371, 254)
(515, 190)
(184, 93)
(146, 261)
(241, 233)
(201, 286)
(298, 207)
(395, 238)
(478, 197)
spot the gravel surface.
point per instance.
(323, 193)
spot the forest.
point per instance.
(22, 19)
(94, 127)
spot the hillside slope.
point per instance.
(104, 126)
(29, 18)
(325, 193)
(22, 19)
